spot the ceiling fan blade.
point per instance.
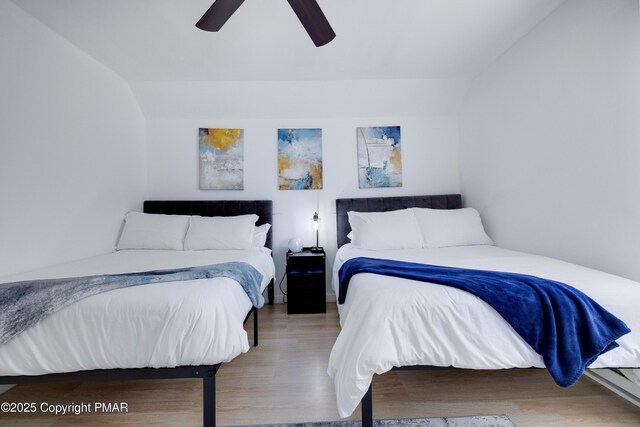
(313, 20)
(219, 13)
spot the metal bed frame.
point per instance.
(366, 404)
(264, 210)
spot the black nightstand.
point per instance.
(306, 288)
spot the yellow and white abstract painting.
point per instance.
(221, 154)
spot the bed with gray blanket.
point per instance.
(138, 313)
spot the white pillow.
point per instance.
(385, 230)
(153, 231)
(451, 227)
(260, 235)
(220, 232)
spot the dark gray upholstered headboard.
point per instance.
(262, 208)
(383, 204)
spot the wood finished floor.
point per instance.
(284, 380)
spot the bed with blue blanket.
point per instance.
(138, 313)
(468, 306)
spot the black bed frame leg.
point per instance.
(209, 401)
(367, 408)
(255, 327)
(270, 295)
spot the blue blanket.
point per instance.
(23, 304)
(566, 327)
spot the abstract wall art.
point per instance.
(379, 157)
(221, 153)
(299, 159)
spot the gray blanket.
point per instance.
(23, 304)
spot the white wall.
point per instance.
(72, 148)
(550, 140)
(172, 100)
(429, 148)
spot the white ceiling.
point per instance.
(156, 40)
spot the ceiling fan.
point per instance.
(308, 11)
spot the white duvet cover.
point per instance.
(388, 322)
(196, 322)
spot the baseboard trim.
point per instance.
(279, 299)
(616, 383)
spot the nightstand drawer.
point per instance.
(305, 264)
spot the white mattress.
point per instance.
(196, 322)
(388, 321)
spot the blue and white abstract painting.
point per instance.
(379, 157)
(299, 159)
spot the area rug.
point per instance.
(475, 421)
